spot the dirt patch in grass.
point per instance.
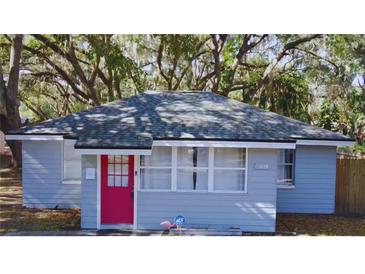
(14, 217)
(317, 225)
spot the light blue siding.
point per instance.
(315, 182)
(254, 211)
(42, 177)
(89, 194)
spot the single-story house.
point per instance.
(218, 162)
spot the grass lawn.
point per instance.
(13, 217)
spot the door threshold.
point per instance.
(117, 226)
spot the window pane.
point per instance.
(118, 169)
(230, 157)
(185, 179)
(72, 170)
(286, 166)
(111, 159)
(125, 180)
(229, 180)
(187, 155)
(289, 156)
(155, 178)
(286, 156)
(69, 152)
(118, 181)
(125, 169)
(111, 169)
(161, 156)
(118, 159)
(110, 180)
(285, 174)
(125, 159)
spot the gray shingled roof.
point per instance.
(137, 121)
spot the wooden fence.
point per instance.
(350, 186)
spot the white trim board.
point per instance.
(98, 192)
(34, 137)
(84, 151)
(189, 143)
(135, 192)
(71, 182)
(192, 143)
(325, 143)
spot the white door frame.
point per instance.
(98, 192)
(135, 191)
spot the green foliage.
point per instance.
(328, 116)
(123, 67)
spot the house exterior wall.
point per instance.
(252, 211)
(42, 177)
(315, 182)
(89, 193)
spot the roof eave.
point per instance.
(35, 137)
(326, 142)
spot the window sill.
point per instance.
(155, 190)
(229, 192)
(71, 182)
(286, 186)
(191, 191)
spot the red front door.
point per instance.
(117, 185)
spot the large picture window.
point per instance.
(192, 168)
(156, 169)
(229, 169)
(197, 169)
(286, 167)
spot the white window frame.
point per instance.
(68, 181)
(192, 168)
(233, 168)
(210, 169)
(286, 184)
(156, 167)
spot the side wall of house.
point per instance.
(315, 182)
(42, 177)
(89, 193)
(253, 211)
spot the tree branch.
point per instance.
(60, 71)
(70, 56)
(289, 46)
(159, 64)
(319, 57)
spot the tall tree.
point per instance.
(9, 102)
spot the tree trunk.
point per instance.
(11, 120)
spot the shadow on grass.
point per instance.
(14, 217)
